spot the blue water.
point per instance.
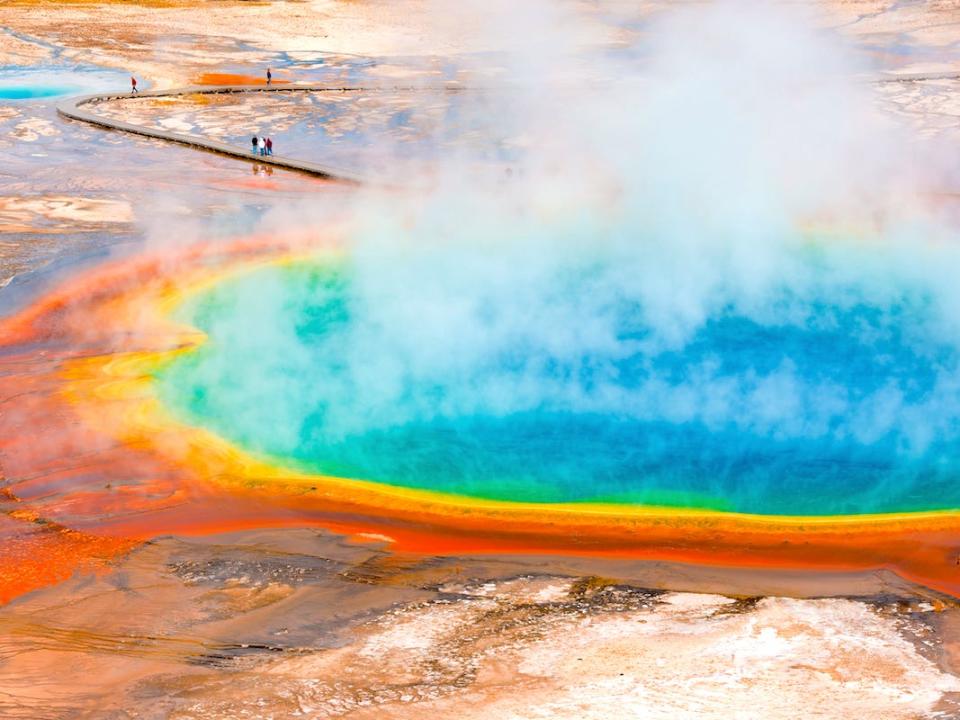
(844, 408)
(25, 92)
(39, 82)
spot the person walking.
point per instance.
(269, 76)
(133, 85)
(262, 144)
(269, 146)
(254, 144)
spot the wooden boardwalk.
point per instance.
(74, 109)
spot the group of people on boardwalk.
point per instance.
(261, 145)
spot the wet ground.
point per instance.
(377, 133)
(302, 624)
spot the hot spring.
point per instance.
(40, 82)
(837, 393)
(26, 92)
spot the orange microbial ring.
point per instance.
(235, 79)
(87, 444)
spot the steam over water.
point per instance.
(712, 286)
(828, 399)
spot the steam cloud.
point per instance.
(731, 166)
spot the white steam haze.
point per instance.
(733, 162)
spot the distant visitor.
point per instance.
(262, 144)
(269, 146)
(254, 144)
(133, 85)
(269, 76)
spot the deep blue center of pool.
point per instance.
(849, 407)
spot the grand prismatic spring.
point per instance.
(565, 360)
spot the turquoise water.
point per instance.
(835, 402)
(38, 82)
(24, 92)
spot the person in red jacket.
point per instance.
(133, 85)
(269, 146)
